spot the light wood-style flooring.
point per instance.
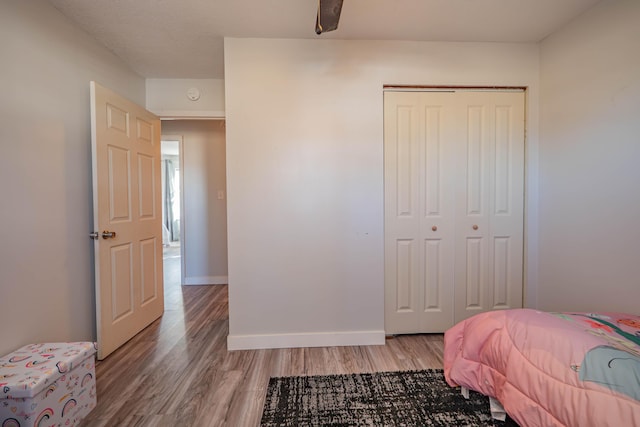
(178, 372)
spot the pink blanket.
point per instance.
(531, 362)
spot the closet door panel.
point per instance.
(418, 208)
(491, 207)
(454, 168)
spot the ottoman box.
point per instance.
(47, 384)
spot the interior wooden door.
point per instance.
(127, 218)
(454, 171)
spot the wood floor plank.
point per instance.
(354, 360)
(245, 409)
(178, 372)
(287, 362)
(216, 406)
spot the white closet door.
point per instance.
(453, 206)
(419, 211)
(489, 202)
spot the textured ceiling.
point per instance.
(184, 38)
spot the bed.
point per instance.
(550, 369)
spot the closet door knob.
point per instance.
(475, 226)
(434, 228)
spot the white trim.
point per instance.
(400, 88)
(189, 114)
(206, 280)
(317, 339)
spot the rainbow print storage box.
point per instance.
(51, 384)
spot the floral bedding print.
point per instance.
(615, 365)
(551, 369)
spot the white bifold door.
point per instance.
(454, 206)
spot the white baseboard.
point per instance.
(206, 280)
(318, 339)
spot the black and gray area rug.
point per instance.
(409, 398)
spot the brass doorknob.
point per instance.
(434, 228)
(475, 227)
(108, 234)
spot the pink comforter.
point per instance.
(530, 361)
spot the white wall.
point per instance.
(205, 216)
(46, 266)
(305, 176)
(168, 97)
(589, 162)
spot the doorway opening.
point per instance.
(171, 171)
(202, 185)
